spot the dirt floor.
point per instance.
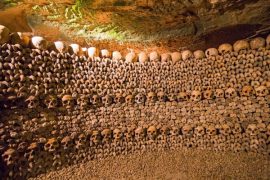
(184, 164)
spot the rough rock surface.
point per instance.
(193, 17)
(168, 22)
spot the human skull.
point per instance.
(75, 49)
(199, 54)
(67, 143)
(240, 45)
(151, 97)
(152, 132)
(9, 157)
(51, 101)
(105, 53)
(116, 56)
(261, 128)
(129, 134)
(257, 43)
(32, 102)
(83, 101)
(211, 52)
(119, 99)
(20, 38)
(52, 145)
(95, 137)
(199, 131)
(208, 94)
(174, 131)
(225, 129)
(164, 131)
(81, 141)
(176, 57)
(187, 130)
(196, 96)
(143, 58)
(59, 46)
(172, 97)
(140, 98)
(92, 52)
(237, 129)
(107, 100)
(225, 48)
(230, 93)
(129, 99)
(261, 91)
(161, 96)
(211, 130)
(4, 34)
(67, 101)
(187, 54)
(117, 134)
(106, 135)
(252, 130)
(131, 57)
(182, 96)
(154, 56)
(39, 42)
(166, 57)
(247, 91)
(219, 93)
(96, 100)
(139, 134)
(32, 151)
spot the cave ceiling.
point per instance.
(177, 24)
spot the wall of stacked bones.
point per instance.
(62, 104)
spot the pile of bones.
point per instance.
(63, 104)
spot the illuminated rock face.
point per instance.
(192, 17)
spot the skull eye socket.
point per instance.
(47, 145)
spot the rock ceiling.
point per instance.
(215, 21)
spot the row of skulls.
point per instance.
(132, 133)
(84, 101)
(42, 76)
(48, 153)
(38, 42)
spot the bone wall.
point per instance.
(61, 108)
